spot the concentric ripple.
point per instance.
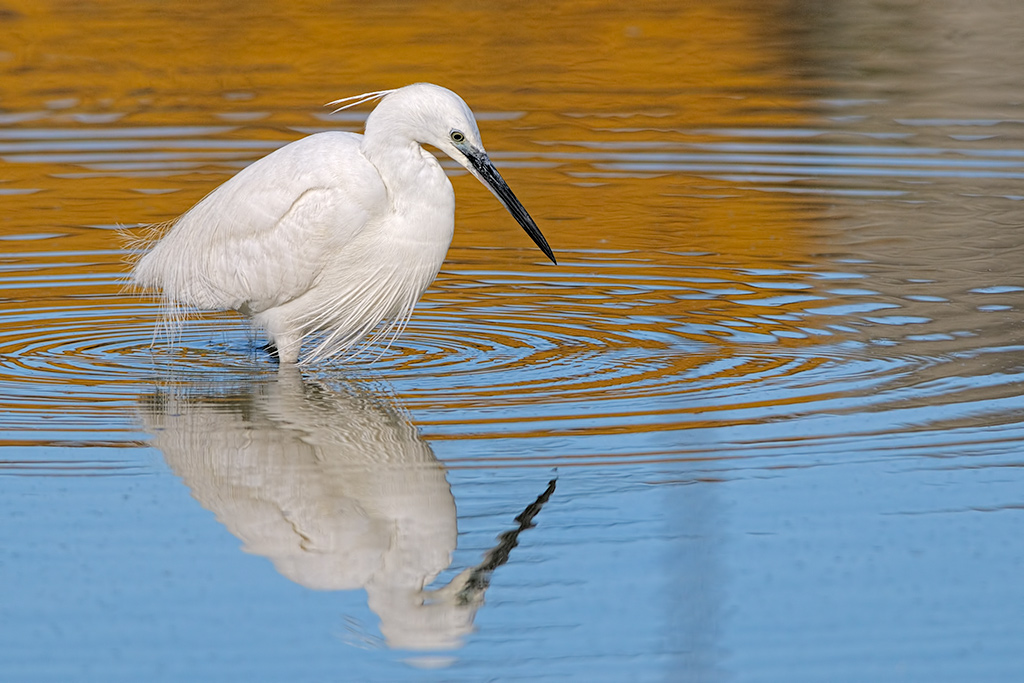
(589, 349)
(725, 307)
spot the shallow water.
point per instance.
(775, 375)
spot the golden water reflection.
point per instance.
(138, 117)
(243, 74)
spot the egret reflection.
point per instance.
(335, 487)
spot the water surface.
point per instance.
(775, 376)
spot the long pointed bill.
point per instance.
(480, 166)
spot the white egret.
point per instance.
(334, 233)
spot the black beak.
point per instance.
(485, 171)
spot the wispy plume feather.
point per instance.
(356, 100)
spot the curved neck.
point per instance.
(411, 174)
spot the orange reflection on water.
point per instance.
(105, 90)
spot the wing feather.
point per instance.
(263, 237)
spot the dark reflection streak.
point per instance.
(480, 576)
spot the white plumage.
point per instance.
(334, 233)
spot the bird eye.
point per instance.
(458, 136)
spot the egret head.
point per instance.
(431, 115)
